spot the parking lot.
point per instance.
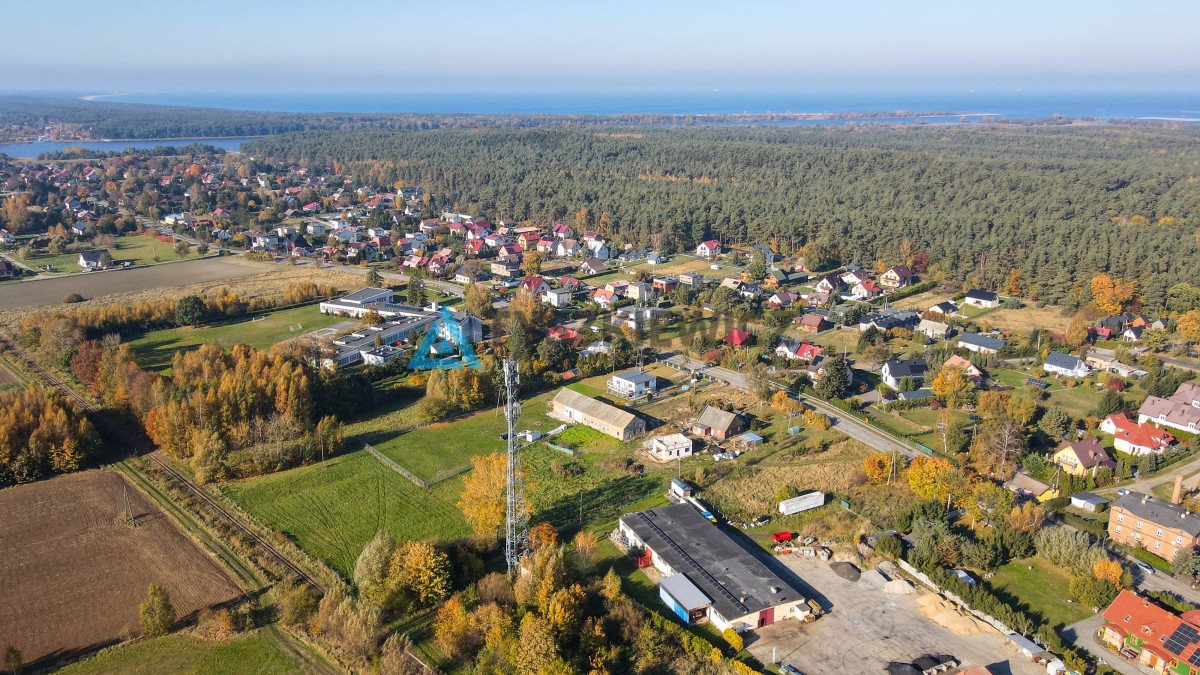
(865, 628)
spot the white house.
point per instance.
(894, 370)
(670, 447)
(92, 260)
(934, 330)
(980, 344)
(979, 298)
(557, 297)
(1065, 365)
(708, 249)
(632, 384)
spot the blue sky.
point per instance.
(135, 45)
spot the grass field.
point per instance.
(333, 509)
(154, 351)
(1040, 589)
(251, 653)
(1079, 400)
(436, 450)
(136, 248)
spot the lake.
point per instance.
(38, 147)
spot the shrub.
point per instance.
(735, 641)
(72, 298)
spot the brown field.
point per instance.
(74, 574)
(1027, 318)
(923, 301)
(172, 280)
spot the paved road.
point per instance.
(1185, 468)
(841, 421)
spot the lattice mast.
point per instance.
(516, 517)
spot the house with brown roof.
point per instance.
(717, 423)
(1082, 457)
(1180, 410)
(811, 323)
(895, 277)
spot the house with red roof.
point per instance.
(604, 297)
(565, 334)
(1154, 638)
(311, 206)
(738, 338)
(535, 284)
(476, 247)
(708, 249)
(1136, 439)
(561, 231)
(971, 370)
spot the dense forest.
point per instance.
(1057, 203)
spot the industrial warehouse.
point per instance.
(708, 574)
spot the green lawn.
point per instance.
(252, 653)
(1040, 587)
(1010, 378)
(333, 509)
(155, 350)
(137, 249)
(437, 450)
(1078, 401)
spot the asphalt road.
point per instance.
(842, 422)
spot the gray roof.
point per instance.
(595, 409)
(736, 580)
(981, 341)
(906, 367)
(976, 294)
(917, 395)
(715, 418)
(635, 376)
(1061, 360)
(364, 294)
(1023, 482)
(1159, 512)
(685, 592)
(1089, 498)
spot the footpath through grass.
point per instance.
(155, 350)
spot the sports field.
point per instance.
(154, 351)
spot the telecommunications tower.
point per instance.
(516, 514)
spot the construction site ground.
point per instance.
(865, 628)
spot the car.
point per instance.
(1122, 492)
(789, 669)
(1144, 568)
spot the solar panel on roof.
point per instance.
(1194, 659)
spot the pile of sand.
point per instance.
(898, 587)
(946, 614)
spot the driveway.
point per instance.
(865, 628)
(1083, 636)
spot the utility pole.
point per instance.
(516, 539)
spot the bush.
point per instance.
(72, 298)
(890, 547)
(735, 641)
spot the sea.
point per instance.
(1168, 107)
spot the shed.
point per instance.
(1088, 502)
(1026, 646)
(749, 439)
(683, 597)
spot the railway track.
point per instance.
(153, 455)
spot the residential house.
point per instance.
(1027, 487)
(638, 290)
(692, 280)
(946, 308)
(1066, 365)
(1132, 333)
(93, 260)
(1157, 640)
(738, 337)
(767, 254)
(1158, 526)
(895, 277)
(567, 248)
(8, 270)
(604, 297)
(1082, 457)
(885, 320)
(266, 242)
(1180, 410)
(934, 330)
(637, 318)
(782, 300)
(981, 298)
(716, 423)
(865, 290)
(1136, 439)
(708, 249)
(565, 334)
(971, 370)
(830, 283)
(664, 285)
(561, 231)
(597, 347)
(557, 297)
(980, 344)
(670, 447)
(633, 384)
(535, 285)
(469, 275)
(796, 350)
(571, 406)
(593, 266)
(895, 370)
(811, 323)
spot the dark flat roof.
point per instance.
(737, 582)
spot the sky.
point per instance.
(780, 45)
